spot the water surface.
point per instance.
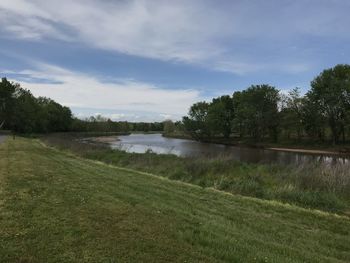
(140, 143)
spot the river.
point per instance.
(140, 143)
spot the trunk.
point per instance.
(240, 131)
(299, 134)
(227, 133)
(2, 124)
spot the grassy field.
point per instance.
(56, 207)
(311, 186)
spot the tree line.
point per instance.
(102, 124)
(21, 112)
(24, 113)
(262, 112)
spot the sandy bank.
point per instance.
(305, 151)
(104, 139)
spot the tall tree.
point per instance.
(197, 121)
(169, 126)
(7, 102)
(292, 113)
(239, 120)
(258, 108)
(314, 121)
(331, 91)
(221, 114)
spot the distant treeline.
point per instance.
(101, 124)
(21, 112)
(262, 112)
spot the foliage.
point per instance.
(261, 112)
(22, 112)
(197, 123)
(169, 127)
(331, 92)
(220, 115)
(258, 104)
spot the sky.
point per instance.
(150, 60)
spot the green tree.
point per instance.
(25, 115)
(257, 110)
(291, 115)
(169, 126)
(314, 121)
(7, 102)
(220, 115)
(239, 120)
(54, 117)
(331, 91)
(197, 121)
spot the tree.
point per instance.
(54, 117)
(221, 114)
(25, 118)
(7, 101)
(292, 113)
(22, 112)
(169, 126)
(314, 121)
(239, 119)
(331, 91)
(197, 121)
(257, 110)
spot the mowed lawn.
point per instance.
(55, 207)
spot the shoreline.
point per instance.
(297, 149)
(306, 151)
(114, 138)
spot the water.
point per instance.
(140, 143)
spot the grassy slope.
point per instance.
(55, 207)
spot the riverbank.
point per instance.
(312, 186)
(306, 148)
(296, 150)
(88, 211)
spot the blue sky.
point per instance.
(149, 60)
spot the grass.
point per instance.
(311, 186)
(57, 207)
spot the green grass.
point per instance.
(312, 186)
(56, 207)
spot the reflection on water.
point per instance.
(140, 143)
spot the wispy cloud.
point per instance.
(220, 35)
(79, 90)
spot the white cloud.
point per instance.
(82, 91)
(116, 116)
(157, 29)
(194, 31)
(166, 116)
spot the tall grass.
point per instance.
(310, 185)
